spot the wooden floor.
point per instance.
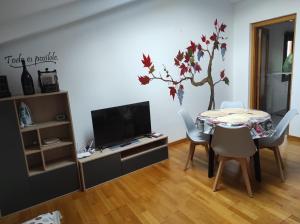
(164, 193)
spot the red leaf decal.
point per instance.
(222, 74)
(177, 63)
(216, 22)
(172, 91)
(187, 58)
(184, 69)
(207, 42)
(192, 47)
(223, 27)
(197, 67)
(144, 79)
(179, 56)
(203, 38)
(213, 37)
(146, 61)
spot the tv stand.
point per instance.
(108, 164)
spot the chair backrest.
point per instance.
(282, 126)
(233, 142)
(188, 121)
(232, 104)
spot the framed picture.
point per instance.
(48, 81)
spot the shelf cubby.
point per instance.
(44, 108)
(59, 157)
(35, 163)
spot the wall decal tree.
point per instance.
(188, 63)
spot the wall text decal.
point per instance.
(15, 61)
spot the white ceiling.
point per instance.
(15, 9)
(233, 1)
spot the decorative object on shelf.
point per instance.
(24, 115)
(48, 81)
(188, 62)
(27, 82)
(4, 90)
(50, 141)
(61, 117)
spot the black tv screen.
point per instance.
(118, 125)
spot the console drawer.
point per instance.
(100, 170)
(144, 158)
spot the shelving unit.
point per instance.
(40, 157)
(31, 171)
(110, 164)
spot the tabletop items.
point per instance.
(259, 122)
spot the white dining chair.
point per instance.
(194, 136)
(277, 139)
(234, 143)
(232, 104)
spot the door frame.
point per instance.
(254, 57)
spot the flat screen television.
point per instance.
(120, 125)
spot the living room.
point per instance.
(170, 55)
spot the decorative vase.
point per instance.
(27, 82)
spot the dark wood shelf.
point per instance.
(43, 125)
(58, 164)
(36, 171)
(56, 145)
(32, 150)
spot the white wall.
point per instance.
(99, 59)
(248, 12)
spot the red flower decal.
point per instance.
(203, 38)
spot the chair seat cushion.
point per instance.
(198, 137)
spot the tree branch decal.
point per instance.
(188, 63)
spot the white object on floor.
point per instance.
(83, 155)
(48, 218)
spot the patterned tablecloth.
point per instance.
(259, 122)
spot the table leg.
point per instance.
(211, 159)
(256, 158)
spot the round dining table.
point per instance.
(259, 123)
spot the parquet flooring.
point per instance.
(164, 193)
